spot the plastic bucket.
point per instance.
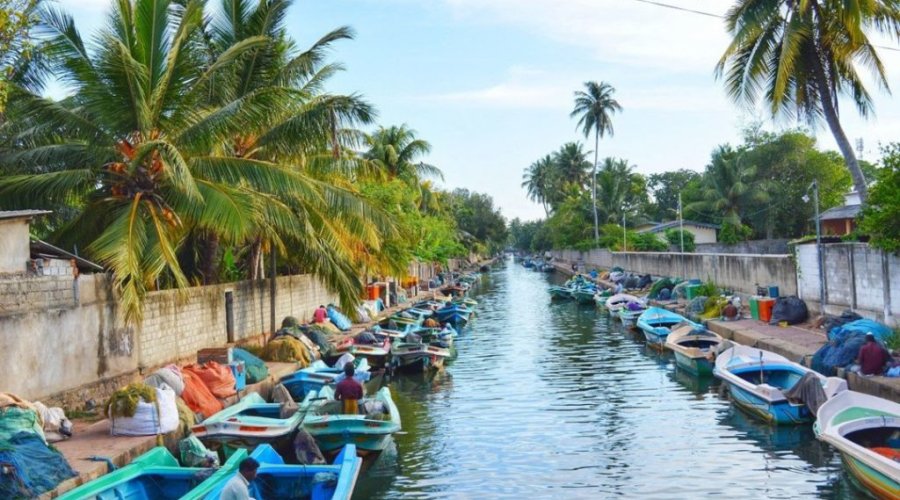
(372, 292)
(765, 309)
(773, 291)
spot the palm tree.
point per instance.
(594, 108)
(803, 54)
(393, 152)
(614, 182)
(729, 187)
(572, 165)
(539, 181)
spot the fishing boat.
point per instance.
(695, 348)
(584, 295)
(455, 314)
(250, 422)
(629, 314)
(866, 430)
(318, 374)
(376, 354)
(600, 297)
(465, 301)
(332, 430)
(757, 381)
(560, 293)
(417, 356)
(276, 480)
(620, 300)
(657, 323)
(156, 475)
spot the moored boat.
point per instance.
(276, 480)
(584, 295)
(866, 430)
(758, 381)
(456, 314)
(656, 323)
(318, 374)
(370, 432)
(560, 293)
(695, 348)
(248, 423)
(629, 314)
(418, 356)
(620, 300)
(376, 354)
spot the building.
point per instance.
(840, 221)
(15, 249)
(703, 232)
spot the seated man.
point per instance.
(321, 315)
(349, 390)
(872, 357)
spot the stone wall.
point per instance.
(857, 277)
(738, 272)
(60, 333)
(756, 247)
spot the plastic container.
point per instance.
(773, 291)
(240, 375)
(765, 309)
(373, 292)
(754, 307)
(690, 291)
(695, 281)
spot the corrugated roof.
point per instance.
(675, 223)
(40, 248)
(22, 214)
(837, 213)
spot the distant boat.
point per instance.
(620, 300)
(757, 381)
(156, 475)
(417, 356)
(248, 423)
(657, 323)
(865, 430)
(560, 293)
(276, 480)
(455, 314)
(695, 348)
(319, 374)
(332, 429)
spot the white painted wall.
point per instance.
(14, 245)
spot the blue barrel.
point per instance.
(773, 291)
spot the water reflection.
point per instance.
(557, 400)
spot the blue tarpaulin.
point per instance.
(844, 343)
(342, 322)
(30, 467)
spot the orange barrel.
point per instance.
(372, 292)
(765, 309)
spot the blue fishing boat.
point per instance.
(319, 374)
(370, 430)
(156, 475)
(455, 314)
(657, 323)
(560, 293)
(250, 422)
(757, 381)
(276, 480)
(695, 348)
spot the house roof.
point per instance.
(838, 213)
(42, 248)
(675, 224)
(21, 214)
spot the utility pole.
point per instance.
(815, 186)
(624, 233)
(681, 233)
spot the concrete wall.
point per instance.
(738, 272)
(14, 245)
(58, 333)
(764, 247)
(857, 277)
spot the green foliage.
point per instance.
(528, 236)
(646, 242)
(881, 216)
(734, 233)
(674, 237)
(479, 221)
(17, 20)
(708, 289)
(666, 187)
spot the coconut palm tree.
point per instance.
(594, 108)
(539, 181)
(572, 165)
(729, 187)
(393, 152)
(614, 189)
(801, 55)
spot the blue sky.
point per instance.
(489, 82)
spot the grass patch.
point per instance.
(893, 342)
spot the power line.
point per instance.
(719, 16)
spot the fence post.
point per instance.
(886, 285)
(852, 261)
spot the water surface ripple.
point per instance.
(555, 401)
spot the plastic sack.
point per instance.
(198, 397)
(56, 426)
(217, 378)
(30, 467)
(169, 375)
(149, 419)
(791, 309)
(257, 371)
(194, 454)
(340, 320)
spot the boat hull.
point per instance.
(699, 366)
(871, 480)
(654, 339)
(778, 412)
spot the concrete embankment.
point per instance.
(793, 342)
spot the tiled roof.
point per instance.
(837, 213)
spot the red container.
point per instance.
(373, 292)
(765, 309)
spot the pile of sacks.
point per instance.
(31, 466)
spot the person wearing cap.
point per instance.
(237, 487)
(872, 357)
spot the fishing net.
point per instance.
(287, 349)
(124, 402)
(319, 337)
(19, 416)
(30, 467)
(186, 417)
(659, 286)
(713, 307)
(696, 306)
(679, 291)
(193, 454)
(844, 344)
(257, 371)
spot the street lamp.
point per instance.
(821, 258)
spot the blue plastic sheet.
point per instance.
(844, 343)
(342, 322)
(257, 371)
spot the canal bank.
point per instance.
(793, 342)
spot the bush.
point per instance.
(881, 216)
(673, 236)
(708, 289)
(646, 242)
(731, 233)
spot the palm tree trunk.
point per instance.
(594, 186)
(209, 249)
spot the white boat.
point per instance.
(866, 430)
(695, 348)
(620, 300)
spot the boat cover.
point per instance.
(791, 309)
(340, 320)
(808, 391)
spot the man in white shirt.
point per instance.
(237, 487)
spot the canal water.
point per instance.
(553, 400)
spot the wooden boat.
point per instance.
(466, 302)
(560, 293)
(629, 316)
(376, 354)
(584, 295)
(250, 422)
(695, 348)
(656, 323)
(276, 480)
(455, 314)
(865, 430)
(757, 381)
(417, 356)
(600, 297)
(156, 475)
(333, 430)
(318, 374)
(620, 300)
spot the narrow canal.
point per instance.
(555, 401)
